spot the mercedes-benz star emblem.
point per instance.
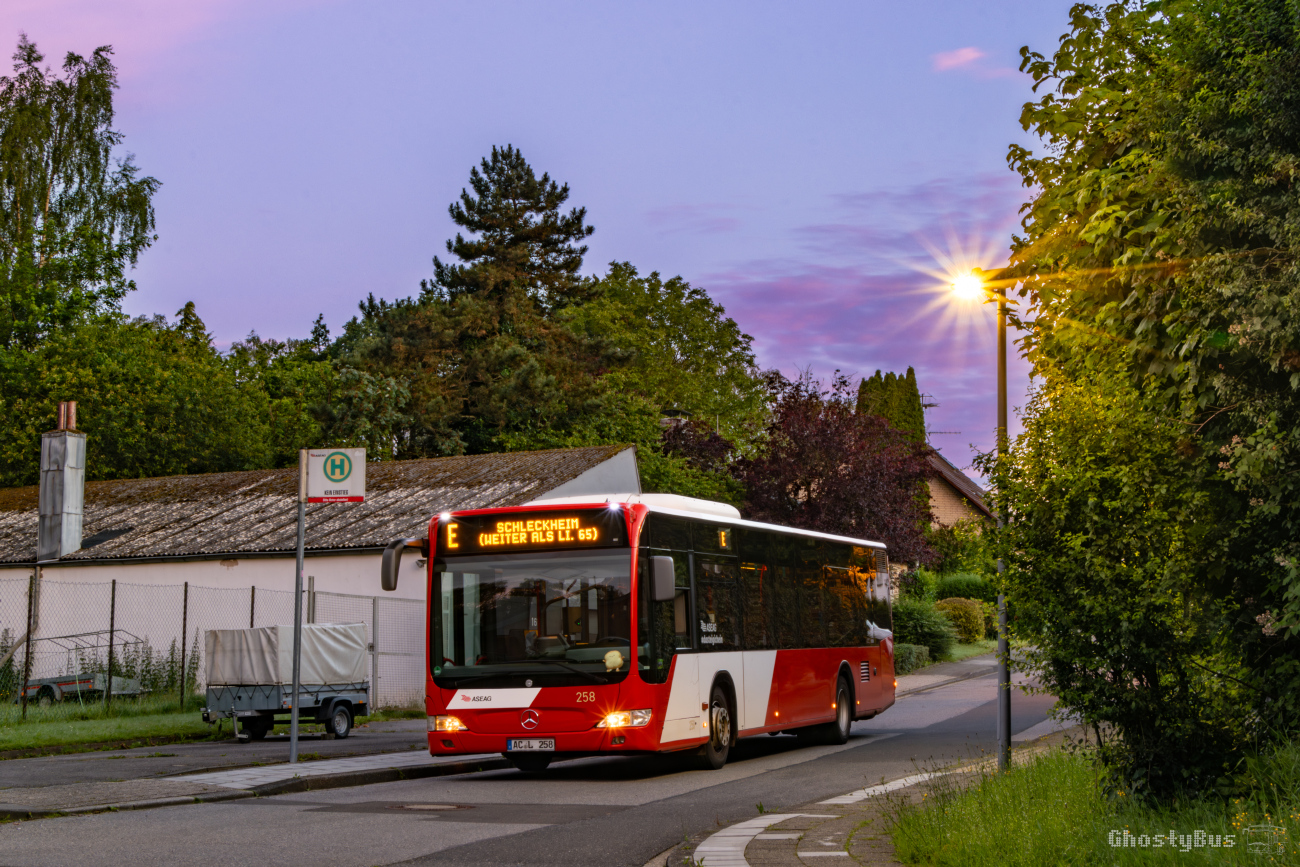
(529, 719)
(528, 682)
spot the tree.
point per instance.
(72, 220)
(298, 382)
(156, 399)
(897, 400)
(524, 244)
(1117, 582)
(825, 467)
(1162, 253)
(676, 347)
(481, 353)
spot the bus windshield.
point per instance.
(543, 619)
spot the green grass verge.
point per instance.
(1051, 811)
(965, 651)
(70, 725)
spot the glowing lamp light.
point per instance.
(444, 516)
(625, 719)
(448, 724)
(968, 287)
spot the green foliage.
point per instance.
(1159, 263)
(967, 617)
(920, 584)
(156, 399)
(71, 221)
(909, 657)
(917, 622)
(896, 399)
(678, 349)
(1118, 583)
(966, 586)
(963, 547)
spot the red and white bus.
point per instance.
(642, 623)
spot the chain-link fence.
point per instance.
(143, 643)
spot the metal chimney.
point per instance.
(63, 486)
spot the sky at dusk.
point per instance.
(812, 166)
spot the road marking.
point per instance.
(863, 794)
(819, 854)
(726, 848)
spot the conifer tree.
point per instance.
(896, 399)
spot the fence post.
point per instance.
(185, 614)
(252, 605)
(311, 598)
(374, 653)
(27, 653)
(112, 629)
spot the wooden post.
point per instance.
(185, 613)
(252, 605)
(112, 629)
(27, 654)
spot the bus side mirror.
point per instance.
(392, 560)
(663, 579)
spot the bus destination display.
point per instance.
(533, 531)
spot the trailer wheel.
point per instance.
(341, 720)
(45, 696)
(258, 727)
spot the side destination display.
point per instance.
(533, 531)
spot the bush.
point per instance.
(917, 622)
(990, 619)
(909, 657)
(966, 585)
(920, 584)
(966, 615)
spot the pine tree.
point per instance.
(523, 244)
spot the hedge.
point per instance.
(917, 622)
(967, 617)
(909, 657)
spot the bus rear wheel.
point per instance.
(837, 731)
(713, 755)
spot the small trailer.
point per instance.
(250, 677)
(73, 687)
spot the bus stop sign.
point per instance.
(336, 475)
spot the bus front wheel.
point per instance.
(713, 755)
(529, 763)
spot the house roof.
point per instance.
(973, 493)
(256, 511)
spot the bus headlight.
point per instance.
(448, 724)
(620, 719)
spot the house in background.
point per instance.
(954, 496)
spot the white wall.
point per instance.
(344, 573)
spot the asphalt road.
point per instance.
(599, 812)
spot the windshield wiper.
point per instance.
(590, 675)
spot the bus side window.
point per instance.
(717, 605)
(785, 603)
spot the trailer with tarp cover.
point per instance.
(250, 677)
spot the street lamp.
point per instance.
(970, 287)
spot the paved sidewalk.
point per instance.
(280, 778)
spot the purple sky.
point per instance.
(813, 166)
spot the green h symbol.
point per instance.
(337, 467)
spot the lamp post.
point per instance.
(973, 286)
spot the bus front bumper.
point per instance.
(593, 741)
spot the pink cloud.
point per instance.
(946, 60)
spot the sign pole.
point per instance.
(297, 606)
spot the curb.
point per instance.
(283, 787)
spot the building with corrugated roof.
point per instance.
(239, 529)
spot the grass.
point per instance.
(965, 651)
(151, 720)
(1051, 811)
